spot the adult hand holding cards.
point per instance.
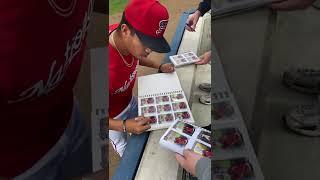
(184, 59)
(182, 135)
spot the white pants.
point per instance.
(119, 139)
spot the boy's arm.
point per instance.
(149, 63)
(115, 124)
(136, 125)
(166, 67)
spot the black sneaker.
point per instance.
(304, 120)
(303, 80)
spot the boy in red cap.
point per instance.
(139, 33)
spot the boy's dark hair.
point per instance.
(124, 21)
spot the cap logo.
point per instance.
(162, 26)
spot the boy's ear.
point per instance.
(125, 30)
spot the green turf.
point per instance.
(117, 6)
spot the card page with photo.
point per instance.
(229, 142)
(164, 101)
(182, 135)
(241, 167)
(233, 152)
(236, 168)
(184, 59)
(224, 108)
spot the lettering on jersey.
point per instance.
(57, 72)
(127, 83)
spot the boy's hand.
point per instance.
(167, 68)
(137, 125)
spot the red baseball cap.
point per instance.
(149, 18)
